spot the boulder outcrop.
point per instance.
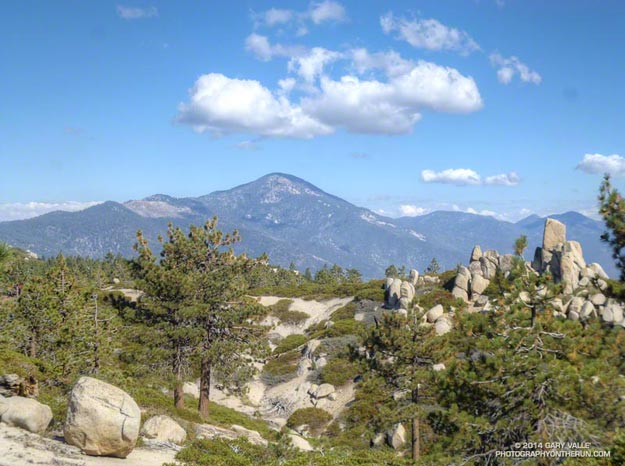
(102, 420)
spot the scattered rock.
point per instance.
(438, 367)
(102, 420)
(598, 299)
(300, 443)
(396, 437)
(434, 313)
(252, 435)
(163, 429)
(442, 326)
(25, 413)
(324, 390)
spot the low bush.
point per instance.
(338, 372)
(281, 369)
(316, 419)
(290, 343)
(439, 296)
(346, 312)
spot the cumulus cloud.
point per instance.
(504, 179)
(327, 11)
(24, 210)
(311, 64)
(260, 46)
(428, 34)
(389, 62)
(317, 13)
(508, 68)
(129, 12)
(275, 16)
(410, 210)
(468, 177)
(221, 105)
(596, 163)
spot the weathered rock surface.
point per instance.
(25, 413)
(102, 420)
(163, 429)
(434, 313)
(396, 437)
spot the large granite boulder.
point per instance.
(102, 420)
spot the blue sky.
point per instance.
(503, 107)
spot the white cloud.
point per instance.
(250, 145)
(260, 46)
(327, 11)
(512, 66)
(317, 13)
(275, 16)
(429, 34)
(374, 106)
(457, 176)
(24, 210)
(129, 12)
(468, 177)
(410, 210)
(310, 65)
(596, 163)
(221, 105)
(390, 62)
(392, 107)
(504, 179)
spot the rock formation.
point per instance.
(583, 283)
(102, 420)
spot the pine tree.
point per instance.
(402, 357)
(612, 209)
(520, 245)
(434, 267)
(195, 297)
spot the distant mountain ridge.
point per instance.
(294, 221)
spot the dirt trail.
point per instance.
(21, 448)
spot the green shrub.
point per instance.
(281, 369)
(343, 313)
(344, 327)
(290, 343)
(221, 452)
(439, 296)
(337, 346)
(316, 419)
(338, 372)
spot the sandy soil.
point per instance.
(21, 448)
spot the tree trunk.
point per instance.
(32, 350)
(205, 387)
(177, 368)
(416, 450)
